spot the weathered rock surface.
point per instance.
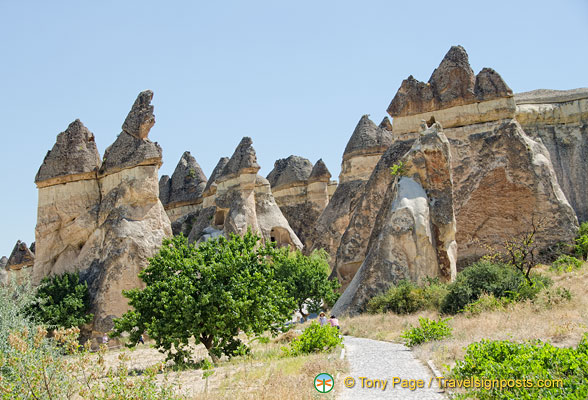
(3, 271)
(21, 257)
(3, 262)
(453, 96)
(73, 157)
(107, 227)
(240, 199)
(363, 151)
(301, 191)
(560, 119)
(386, 124)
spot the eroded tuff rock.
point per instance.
(453, 96)
(386, 124)
(301, 192)
(74, 156)
(560, 119)
(3, 271)
(107, 227)
(21, 257)
(415, 236)
(363, 151)
(239, 199)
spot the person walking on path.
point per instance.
(334, 322)
(322, 319)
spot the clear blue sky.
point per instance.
(295, 76)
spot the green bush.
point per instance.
(406, 297)
(486, 303)
(314, 339)
(528, 362)
(582, 241)
(427, 331)
(498, 279)
(62, 301)
(566, 263)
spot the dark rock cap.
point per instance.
(289, 170)
(386, 124)
(367, 135)
(320, 172)
(243, 158)
(20, 257)
(73, 153)
(217, 171)
(453, 83)
(132, 147)
(188, 181)
(140, 119)
(164, 189)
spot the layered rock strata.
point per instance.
(301, 190)
(102, 219)
(239, 199)
(415, 236)
(560, 119)
(363, 151)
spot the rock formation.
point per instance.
(3, 271)
(103, 220)
(560, 119)
(301, 192)
(363, 151)
(415, 236)
(181, 195)
(239, 199)
(21, 257)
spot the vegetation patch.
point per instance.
(427, 330)
(314, 339)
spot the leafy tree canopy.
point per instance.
(210, 292)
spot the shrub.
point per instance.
(427, 331)
(486, 303)
(528, 362)
(314, 339)
(582, 241)
(398, 169)
(566, 263)
(62, 301)
(498, 279)
(406, 297)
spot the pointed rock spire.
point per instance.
(386, 124)
(20, 257)
(132, 147)
(188, 181)
(367, 135)
(453, 81)
(164, 189)
(243, 158)
(320, 172)
(217, 172)
(73, 155)
(490, 85)
(289, 170)
(140, 119)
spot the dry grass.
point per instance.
(562, 324)
(264, 374)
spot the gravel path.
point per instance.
(373, 360)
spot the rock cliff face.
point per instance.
(301, 192)
(560, 119)
(238, 199)
(104, 222)
(415, 236)
(363, 151)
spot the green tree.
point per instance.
(210, 292)
(306, 278)
(62, 301)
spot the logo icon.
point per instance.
(324, 383)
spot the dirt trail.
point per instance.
(374, 359)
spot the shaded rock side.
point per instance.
(386, 124)
(164, 189)
(402, 249)
(353, 246)
(3, 271)
(21, 257)
(453, 96)
(559, 118)
(74, 156)
(216, 173)
(504, 180)
(240, 199)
